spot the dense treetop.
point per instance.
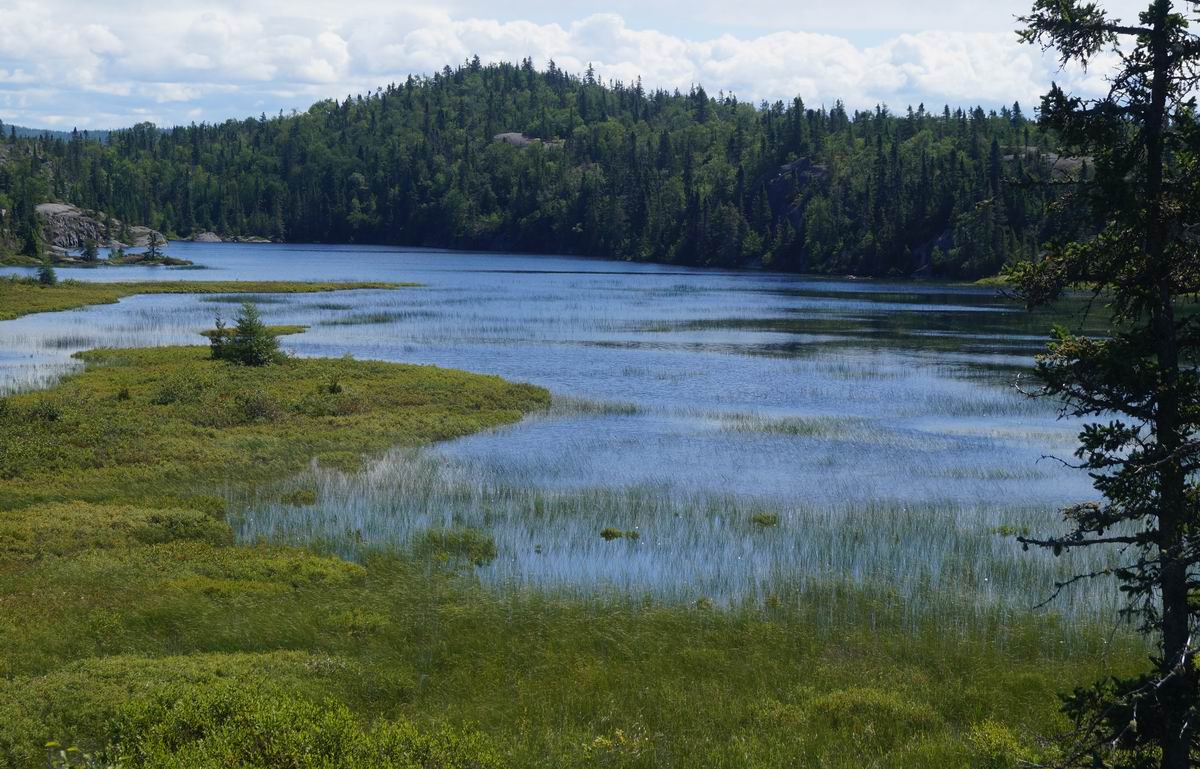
(582, 167)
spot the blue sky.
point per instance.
(109, 63)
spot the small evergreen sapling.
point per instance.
(249, 343)
(46, 275)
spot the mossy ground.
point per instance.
(23, 296)
(128, 614)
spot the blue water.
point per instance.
(745, 390)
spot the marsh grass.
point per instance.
(944, 561)
(376, 318)
(22, 296)
(830, 672)
(238, 299)
(145, 604)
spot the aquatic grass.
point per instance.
(376, 318)
(938, 557)
(242, 298)
(564, 405)
(825, 426)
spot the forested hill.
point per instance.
(508, 157)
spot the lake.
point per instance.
(759, 432)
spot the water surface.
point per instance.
(878, 423)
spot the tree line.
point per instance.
(581, 167)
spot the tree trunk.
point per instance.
(1176, 693)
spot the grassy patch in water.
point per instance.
(378, 317)
(166, 422)
(23, 296)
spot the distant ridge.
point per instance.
(34, 133)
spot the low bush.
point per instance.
(609, 533)
(65, 528)
(217, 727)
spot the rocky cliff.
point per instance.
(66, 227)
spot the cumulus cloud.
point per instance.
(113, 64)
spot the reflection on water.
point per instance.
(877, 421)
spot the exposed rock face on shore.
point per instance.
(212, 237)
(68, 227)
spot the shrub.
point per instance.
(612, 532)
(84, 702)
(460, 543)
(994, 746)
(876, 719)
(230, 725)
(299, 497)
(71, 527)
(257, 407)
(250, 343)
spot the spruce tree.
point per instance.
(1139, 385)
(46, 275)
(90, 253)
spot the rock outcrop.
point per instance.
(67, 227)
(212, 237)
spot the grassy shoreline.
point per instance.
(24, 296)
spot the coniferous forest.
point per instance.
(509, 157)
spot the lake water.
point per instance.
(757, 430)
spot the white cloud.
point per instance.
(108, 62)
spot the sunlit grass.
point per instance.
(22, 296)
(169, 421)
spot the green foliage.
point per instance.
(81, 702)
(231, 725)
(72, 527)
(249, 343)
(446, 545)
(609, 170)
(996, 747)
(299, 497)
(189, 420)
(46, 276)
(609, 533)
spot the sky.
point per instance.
(112, 63)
